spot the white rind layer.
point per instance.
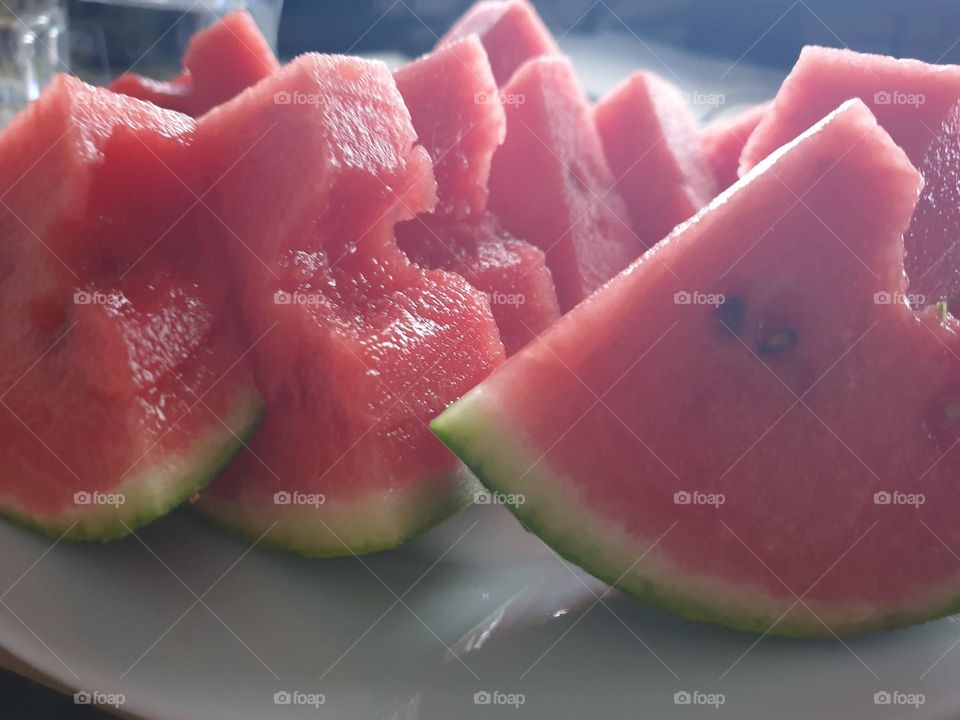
(152, 492)
(379, 521)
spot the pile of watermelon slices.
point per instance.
(327, 303)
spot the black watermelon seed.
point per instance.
(732, 312)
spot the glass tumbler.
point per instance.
(33, 46)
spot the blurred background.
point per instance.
(726, 28)
(772, 31)
(739, 48)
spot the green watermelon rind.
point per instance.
(112, 524)
(306, 535)
(489, 448)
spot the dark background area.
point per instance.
(773, 31)
(765, 32)
(762, 32)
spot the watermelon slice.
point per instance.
(357, 347)
(550, 183)
(912, 101)
(512, 273)
(650, 139)
(511, 31)
(933, 242)
(909, 98)
(456, 112)
(723, 142)
(124, 386)
(221, 61)
(753, 439)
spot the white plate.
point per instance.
(478, 605)
(187, 622)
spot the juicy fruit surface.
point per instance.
(933, 253)
(220, 62)
(795, 441)
(512, 273)
(723, 142)
(913, 102)
(109, 343)
(550, 183)
(456, 111)
(170, 94)
(511, 32)
(650, 139)
(909, 98)
(356, 347)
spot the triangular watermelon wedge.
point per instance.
(550, 183)
(356, 347)
(456, 112)
(650, 139)
(221, 61)
(511, 31)
(740, 427)
(913, 101)
(123, 382)
(910, 99)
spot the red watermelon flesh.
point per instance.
(511, 31)
(650, 139)
(220, 62)
(933, 254)
(550, 183)
(512, 273)
(723, 142)
(752, 426)
(173, 94)
(356, 346)
(124, 385)
(912, 101)
(456, 112)
(909, 98)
